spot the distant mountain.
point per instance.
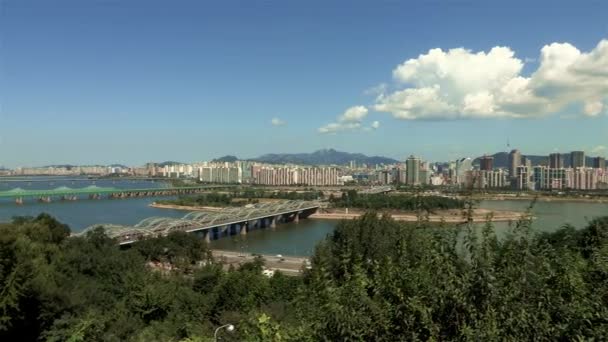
(501, 159)
(323, 157)
(228, 158)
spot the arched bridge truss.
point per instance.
(206, 221)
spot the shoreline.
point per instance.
(183, 207)
(543, 199)
(479, 215)
(449, 216)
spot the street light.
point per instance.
(229, 328)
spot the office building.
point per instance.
(514, 162)
(385, 177)
(460, 168)
(556, 161)
(577, 159)
(412, 170)
(486, 163)
(599, 163)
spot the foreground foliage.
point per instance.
(373, 279)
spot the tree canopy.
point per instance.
(372, 279)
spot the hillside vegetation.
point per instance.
(372, 279)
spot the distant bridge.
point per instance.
(213, 225)
(95, 192)
(377, 190)
(52, 179)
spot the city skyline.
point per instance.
(260, 159)
(179, 83)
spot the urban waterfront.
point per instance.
(288, 239)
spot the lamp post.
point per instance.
(229, 328)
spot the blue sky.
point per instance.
(110, 81)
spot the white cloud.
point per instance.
(599, 149)
(353, 114)
(460, 83)
(277, 122)
(375, 125)
(350, 120)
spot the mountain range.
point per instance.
(320, 157)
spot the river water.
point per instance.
(287, 239)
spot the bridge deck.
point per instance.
(202, 221)
(65, 191)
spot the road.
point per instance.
(290, 265)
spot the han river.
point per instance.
(287, 239)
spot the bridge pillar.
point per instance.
(244, 228)
(207, 234)
(273, 222)
(296, 218)
(19, 200)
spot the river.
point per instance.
(288, 239)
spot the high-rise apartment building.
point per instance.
(546, 178)
(577, 159)
(556, 161)
(522, 178)
(291, 175)
(482, 179)
(220, 174)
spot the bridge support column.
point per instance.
(296, 218)
(244, 228)
(273, 222)
(207, 234)
(19, 200)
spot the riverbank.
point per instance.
(184, 207)
(451, 216)
(541, 199)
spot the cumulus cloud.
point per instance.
(375, 124)
(460, 83)
(348, 121)
(277, 122)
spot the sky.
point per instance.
(128, 81)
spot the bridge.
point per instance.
(53, 179)
(377, 190)
(212, 225)
(95, 192)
